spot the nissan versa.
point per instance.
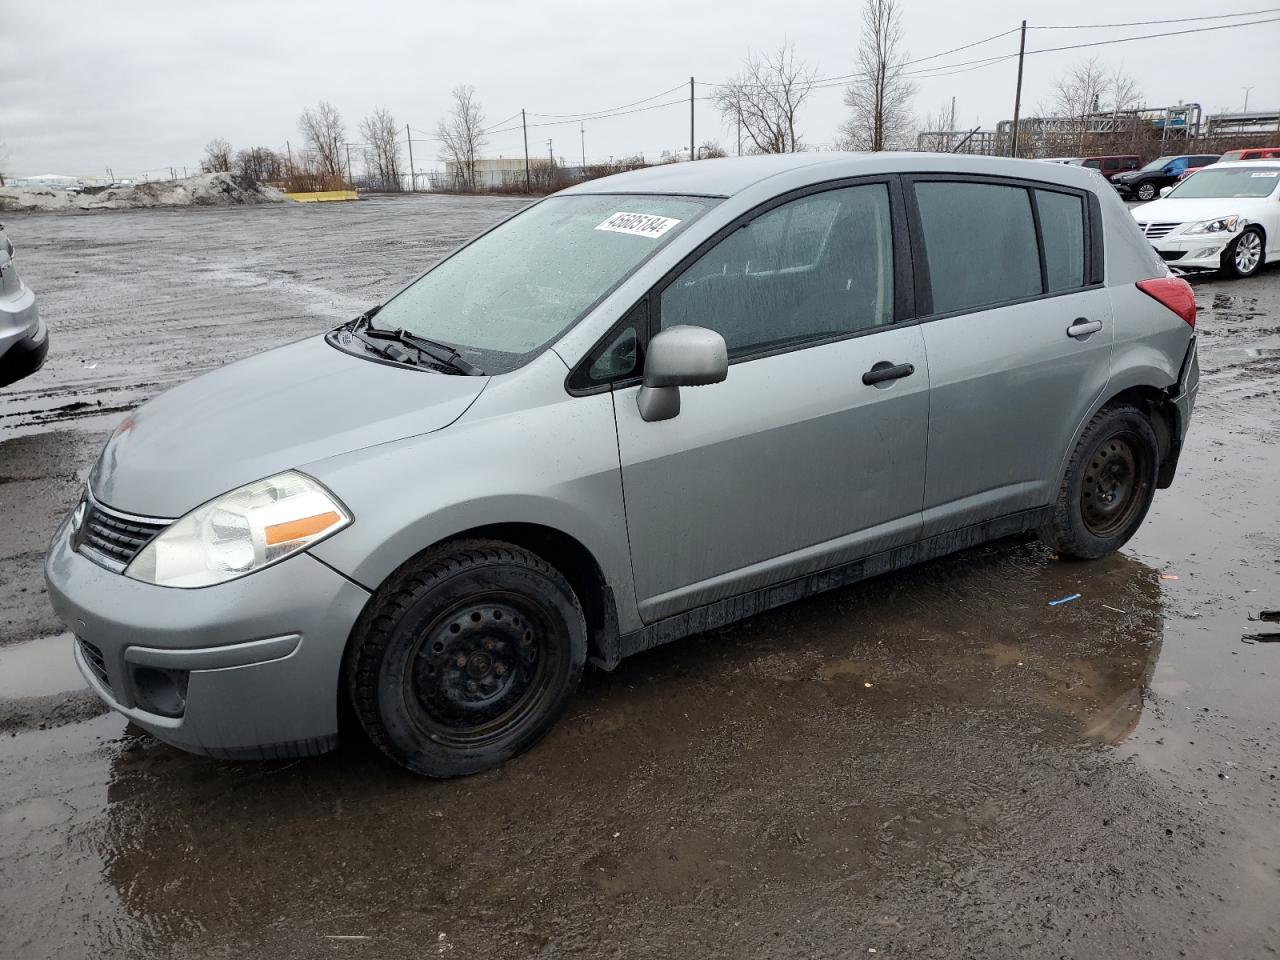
(641, 408)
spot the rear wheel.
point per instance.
(466, 658)
(1244, 255)
(1108, 487)
(1146, 191)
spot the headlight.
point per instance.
(240, 532)
(1221, 225)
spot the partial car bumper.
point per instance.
(1199, 252)
(244, 670)
(23, 353)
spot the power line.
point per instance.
(1149, 23)
(588, 114)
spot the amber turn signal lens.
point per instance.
(300, 529)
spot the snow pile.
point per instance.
(204, 190)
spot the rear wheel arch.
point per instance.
(1158, 405)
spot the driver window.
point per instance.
(811, 269)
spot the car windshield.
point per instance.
(1158, 164)
(515, 289)
(1229, 181)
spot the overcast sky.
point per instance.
(143, 86)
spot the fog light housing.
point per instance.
(161, 691)
(1204, 252)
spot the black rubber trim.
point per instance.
(732, 609)
(22, 359)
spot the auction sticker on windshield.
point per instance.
(638, 224)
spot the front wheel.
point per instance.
(1244, 255)
(1146, 191)
(466, 657)
(1108, 487)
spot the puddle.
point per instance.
(38, 668)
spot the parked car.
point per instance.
(1111, 166)
(643, 407)
(24, 339)
(1226, 217)
(1145, 184)
(1251, 153)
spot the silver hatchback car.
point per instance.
(644, 407)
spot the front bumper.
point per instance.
(260, 656)
(1195, 252)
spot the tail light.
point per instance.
(1174, 293)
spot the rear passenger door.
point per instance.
(794, 463)
(1018, 332)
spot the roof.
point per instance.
(730, 175)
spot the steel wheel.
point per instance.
(1147, 191)
(479, 669)
(1248, 252)
(1114, 488)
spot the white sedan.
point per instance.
(1224, 217)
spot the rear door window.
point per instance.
(1111, 163)
(980, 243)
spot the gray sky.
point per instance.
(143, 86)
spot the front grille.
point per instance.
(1157, 230)
(1172, 254)
(94, 658)
(115, 536)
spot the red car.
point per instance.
(1251, 153)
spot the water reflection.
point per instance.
(692, 768)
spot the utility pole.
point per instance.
(739, 113)
(350, 183)
(582, 132)
(413, 177)
(528, 179)
(1017, 96)
(551, 154)
(692, 155)
(1246, 98)
(289, 150)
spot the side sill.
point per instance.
(732, 609)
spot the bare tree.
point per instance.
(382, 148)
(217, 156)
(711, 150)
(765, 97)
(260, 165)
(4, 159)
(325, 135)
(879, 100)
(462, 137)
(933, 128)
(1089, 88)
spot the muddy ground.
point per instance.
(935, 763)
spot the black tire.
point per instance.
(1146, 191)
(1245, 254)
(1108, 486)
(466, 657)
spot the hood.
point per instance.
(1191, 210)
(248, 420)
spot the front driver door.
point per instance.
(793, 464)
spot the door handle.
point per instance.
(1082, 328)
(884, 371)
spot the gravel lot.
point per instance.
(932, 764)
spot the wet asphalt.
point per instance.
(935, 763)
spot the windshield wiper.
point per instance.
(439, 352)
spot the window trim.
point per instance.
(904, 312)
(1092, 240)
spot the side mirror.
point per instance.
(679, 357)
(1165, 191)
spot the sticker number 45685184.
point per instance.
(638, 224)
